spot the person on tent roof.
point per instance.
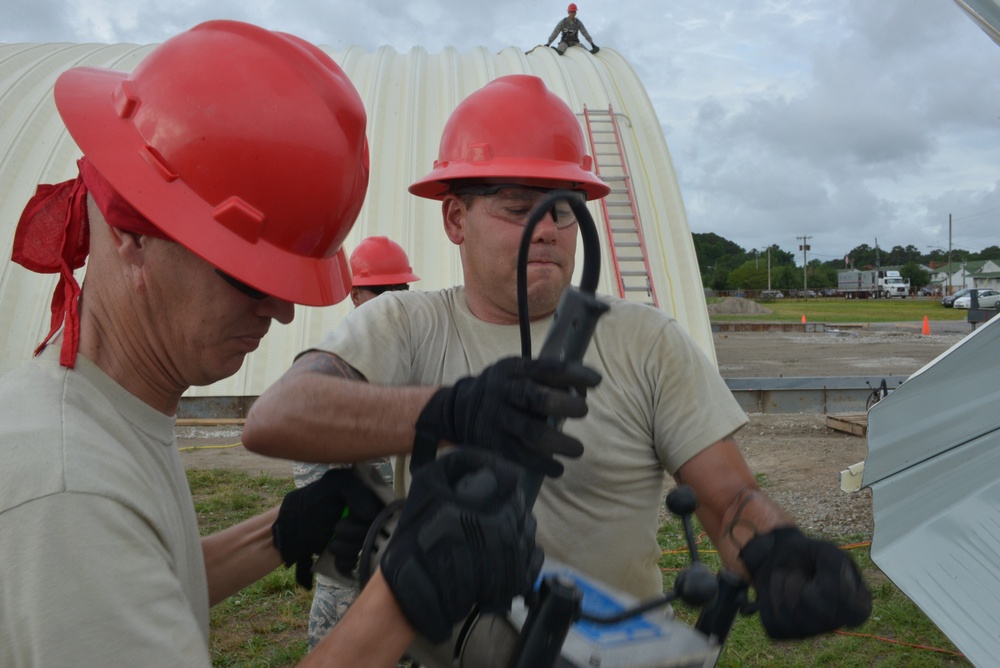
(570, 29)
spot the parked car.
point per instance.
(987, 298)
(772, 294)
(925, 292)
(948, 301)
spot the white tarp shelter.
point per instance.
(408, 97)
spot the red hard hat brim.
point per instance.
(436, 184)
(86, 100)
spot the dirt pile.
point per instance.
(737, 306)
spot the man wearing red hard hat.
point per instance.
(378, 265)
(570, 29)
(660, 408)
(217, 184)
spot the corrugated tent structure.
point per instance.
(647, 251)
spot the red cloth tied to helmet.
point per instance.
(53, 236)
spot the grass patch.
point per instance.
(835, 310)
(265, 625)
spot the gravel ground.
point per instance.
(798, 456)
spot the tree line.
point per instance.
(727, 266)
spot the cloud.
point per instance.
(831, 118)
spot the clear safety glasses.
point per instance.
(513, 203)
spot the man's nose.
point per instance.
(281, 310)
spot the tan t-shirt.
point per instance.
(660, 402)
(100, 558)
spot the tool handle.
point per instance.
(567, 339)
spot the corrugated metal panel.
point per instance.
(409, 97)
(933, 467)
(986, 13)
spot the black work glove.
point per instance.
(336, 511)
(594, 48)
(506, 409)
(804, 586)
(464, 538)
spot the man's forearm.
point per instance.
(732, 507)
(323, 411)
(373, 633)
(239, 555)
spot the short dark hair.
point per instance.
(379, 289)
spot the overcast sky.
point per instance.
(840, 120)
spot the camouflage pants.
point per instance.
(331, 599)
(563, 45)
(330, 602)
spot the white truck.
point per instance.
(872, 284)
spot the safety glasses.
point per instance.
(513, 203)
(252, 293)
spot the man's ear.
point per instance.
(356, 297)
(454, 214)
(128, 245)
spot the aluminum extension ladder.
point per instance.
(621, 217)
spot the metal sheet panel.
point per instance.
(986, 13)
(934, 469)
(408, 98)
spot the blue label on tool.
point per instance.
(598, 602)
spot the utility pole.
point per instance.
(949, 254)
(804, 247)
(768, 267)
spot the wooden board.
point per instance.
(851, 423)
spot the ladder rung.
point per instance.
(634, 273)
(638, 258)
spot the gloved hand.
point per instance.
(335, 510)
(804, 586)
(464, 538)
(594, 48)
(506, 408)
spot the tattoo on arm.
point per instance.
(738, 522)
(328, 364)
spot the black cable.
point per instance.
(591, 272)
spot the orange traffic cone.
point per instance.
(803, 318)
(927, 327)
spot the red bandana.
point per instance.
(53, 236)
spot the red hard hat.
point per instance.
(244, 145)
(514, 130)
(571, 8)
(381, 261)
